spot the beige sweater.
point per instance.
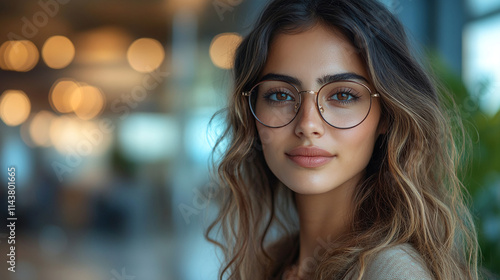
(398, 262)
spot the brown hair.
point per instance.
(411, 193)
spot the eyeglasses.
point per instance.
(342, 104)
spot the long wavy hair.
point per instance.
(410, 193)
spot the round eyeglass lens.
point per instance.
(344, 104)
(274, 103)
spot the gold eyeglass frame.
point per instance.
(316, 93)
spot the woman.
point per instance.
(340, 162)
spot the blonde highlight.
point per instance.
(411, 192)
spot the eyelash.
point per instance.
(276, 91)
(354, 96)
(348, 91)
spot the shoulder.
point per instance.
(397, 262)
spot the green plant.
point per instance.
(482, 173)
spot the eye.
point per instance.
(279, 96)
(342, 96)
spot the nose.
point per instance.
(309, 122)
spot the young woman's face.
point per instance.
(289, 150)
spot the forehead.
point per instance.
(313, 53)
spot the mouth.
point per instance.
(309, 157)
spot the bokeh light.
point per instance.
(145, 137)
(64, 132)
(19, 56)
(71, 135)
(88, 103)
(3, 48)
(145, 55)
(15, 107)
(84, 100)
(58, 52)
(39, 128)
(63, 93)
(223, 48)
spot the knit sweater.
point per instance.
(398, 262)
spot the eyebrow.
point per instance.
(322, 80)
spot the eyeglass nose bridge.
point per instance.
(299, 104)
(318, 106)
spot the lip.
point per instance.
(309, 157)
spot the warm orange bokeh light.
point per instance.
(145, 55)
(89, 104)
(58, 52)
(15, 107)
(18, 56)
(3, 47)
(62, 93)
(222, 49)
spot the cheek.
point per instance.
(271, 143)
(266, 135)
(361, 139)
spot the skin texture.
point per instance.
(323, 194)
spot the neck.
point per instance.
(323, 219)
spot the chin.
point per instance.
(308, 191)
(308, 187)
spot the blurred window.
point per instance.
(481, 7)
(481, 59)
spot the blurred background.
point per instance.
(104, 107)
